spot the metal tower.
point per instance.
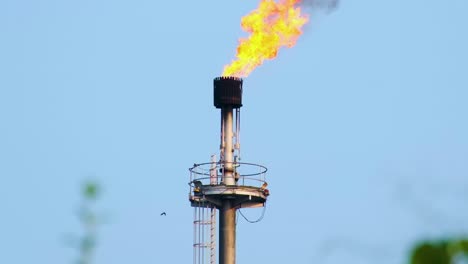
(225, 185)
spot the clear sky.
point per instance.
(363, 126)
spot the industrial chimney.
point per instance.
(225, 184)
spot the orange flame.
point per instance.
(272, 26)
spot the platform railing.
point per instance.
(212, 173)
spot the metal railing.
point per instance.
(213, 173)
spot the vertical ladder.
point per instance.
(204, 234)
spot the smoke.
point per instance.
(328, 5)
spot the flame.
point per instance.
(271, 26)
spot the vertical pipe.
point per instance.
(238, 132)
(213, 171)
(227, 233)
(213, 236)
(195, 235)
(202, 242)
(227, 215)
(199, 234)
(227, 116)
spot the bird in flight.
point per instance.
(163, 213)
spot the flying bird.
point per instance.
(163, 213)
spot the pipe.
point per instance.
(227, 233)
(228, 150)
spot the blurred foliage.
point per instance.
(440, 252)
(91, 190)
(88, 219)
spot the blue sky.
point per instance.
(362, 126)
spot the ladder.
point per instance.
(204, 233)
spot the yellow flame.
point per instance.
(271, 26)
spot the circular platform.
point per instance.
(206, 185)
